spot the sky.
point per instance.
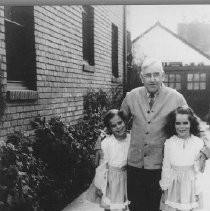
(142, 17)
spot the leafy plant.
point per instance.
(47, 172)
(68, 151)
(20, 174)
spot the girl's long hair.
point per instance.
(109, 115)
(171, 120)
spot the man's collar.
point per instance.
(156, 93)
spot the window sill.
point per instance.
(23, 95)
(115, 80)
(88, 68)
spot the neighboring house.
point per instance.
(51, 55)
(196, 33)
(187, 67)
(161, 42)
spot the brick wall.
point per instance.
(61, 81)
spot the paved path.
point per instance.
(81, 204)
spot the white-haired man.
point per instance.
(149, 105)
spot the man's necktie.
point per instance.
(152, 100)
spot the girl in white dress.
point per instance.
(179, 180)
(115, 151)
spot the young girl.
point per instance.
(180, 168)
(115, 151)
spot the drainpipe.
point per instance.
(124, 50)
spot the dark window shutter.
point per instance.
(20, 45)
(88, 34)
(115, 51)
(15, 42)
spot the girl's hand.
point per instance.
(164, 196)
(97, 157)
(124, 168)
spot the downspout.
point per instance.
(124, 50)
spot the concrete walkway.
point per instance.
(81, 204)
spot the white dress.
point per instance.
(115, 154)
(180, 171)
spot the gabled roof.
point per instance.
(158, 24)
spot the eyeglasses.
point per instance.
(150, 75)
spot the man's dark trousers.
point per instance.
(144, 191)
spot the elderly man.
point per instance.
(149, 106)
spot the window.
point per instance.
(115, 72)
(20, 47)
(196, 81)
(173, 80)
(88, 34)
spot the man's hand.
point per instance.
(202, 161)
(103, 133)
(99, 192)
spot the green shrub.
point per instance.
(20, 174)
(48, 172)
(97, 101)
(68, 151)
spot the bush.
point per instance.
(49, 172)
(68, 151)
(134, 80)
(97, 101)
(20, 174)
(68, 155)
